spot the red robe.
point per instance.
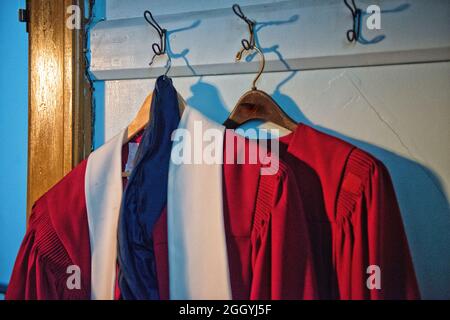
(268, 244)
(363, 216)
(352, 213)
(57, 237)
(310, 231)
(269, 252)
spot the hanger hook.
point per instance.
(248, 45)
(168, 65)
(262, 63)
(353, 34)
(158, 49)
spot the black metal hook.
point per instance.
(247, 44)
(250, 44)
(353, 34)
(160, 48)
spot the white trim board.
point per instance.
(304, 37)
(314, 63)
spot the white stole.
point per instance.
(198, 260)
(103, 191)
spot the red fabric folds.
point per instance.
(314, 230)
(57, 238)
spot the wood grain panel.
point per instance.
(57, 139)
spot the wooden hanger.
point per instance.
(142, 117)
(256, 104)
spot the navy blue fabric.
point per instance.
(145, 196)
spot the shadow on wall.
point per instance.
(183, 54)
(423, 202)
(206, 98)
(363, 17)
(204, 95)
(272, 49)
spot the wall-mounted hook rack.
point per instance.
(118, 55)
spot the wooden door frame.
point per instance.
(60, 112)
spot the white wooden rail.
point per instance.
(295, 35)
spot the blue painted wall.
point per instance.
(14, 130)
(13, 133)
(99, 86)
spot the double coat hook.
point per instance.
(250, 44)
(246, 44)
(161, 47)
(353, 34)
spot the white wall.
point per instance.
(390, 97)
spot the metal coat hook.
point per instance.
(353, 34)
(158, 49)
(248, 45)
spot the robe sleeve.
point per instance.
(281, 250)
(371, 248)
(20, 287)
(40, 269)
(388, 244)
